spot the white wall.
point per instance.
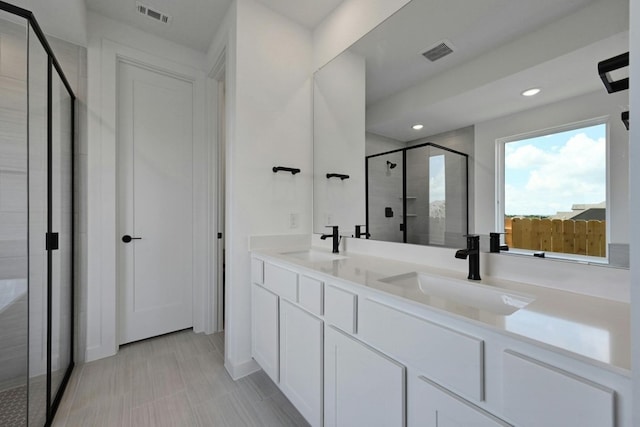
(268, 124)
(107, 41)
(594, 105)
(339, 144)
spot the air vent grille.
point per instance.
(440, 50)
(152, 13)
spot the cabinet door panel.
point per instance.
(301, 336)
(264, 330)
(362, 386)
(434, 406)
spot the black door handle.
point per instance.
(126, 238)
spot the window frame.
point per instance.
(500, 184)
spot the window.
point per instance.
(553, 191)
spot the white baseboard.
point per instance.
(242, 369)
(97, 352)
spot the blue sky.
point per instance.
(547, 174)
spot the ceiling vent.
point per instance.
(153, 13)
(440, 50)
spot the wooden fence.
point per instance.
(557, 235)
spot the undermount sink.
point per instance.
(312, 255)
(483, 297)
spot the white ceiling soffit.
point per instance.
(394, 48)
(193, 24)
(498, 46)
(308, 13)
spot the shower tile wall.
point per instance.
(13, 199)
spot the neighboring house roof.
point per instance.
(585, 212)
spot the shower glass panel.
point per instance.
(62, 222)
(385, 210)
(38, 61)
(418, 195)
(13, 221)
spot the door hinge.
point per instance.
(52, 242)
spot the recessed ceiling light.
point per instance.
(531, 92)
(417, 127)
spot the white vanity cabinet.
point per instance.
(363, 387)
(350, 355)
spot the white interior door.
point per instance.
(155, 143)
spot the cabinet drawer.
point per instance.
(435, 406)
(450, 358)
(281, 281)
(310, 295)
(340, 308)
(257, 271)
(537, 394)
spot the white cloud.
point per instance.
(557, 178)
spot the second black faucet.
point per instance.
(335, 236)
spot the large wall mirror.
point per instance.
(459, 69)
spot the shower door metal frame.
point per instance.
(52, 403)
(404, 182)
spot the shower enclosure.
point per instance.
(36, 223)
(418, 195)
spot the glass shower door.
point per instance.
(61, 224)
(38, 313)
(437, 178)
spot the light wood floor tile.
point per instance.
(174, 380)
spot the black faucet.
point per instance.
(494, 243)
(335, 236)
(473, 252)
(360, 233)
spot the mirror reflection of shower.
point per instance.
(418, 194)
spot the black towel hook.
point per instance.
(286, 169)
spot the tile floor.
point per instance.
(173, 380)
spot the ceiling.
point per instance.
(195, 22)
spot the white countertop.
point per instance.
(595, 328)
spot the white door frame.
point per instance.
(101, 298)
(215, 79)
